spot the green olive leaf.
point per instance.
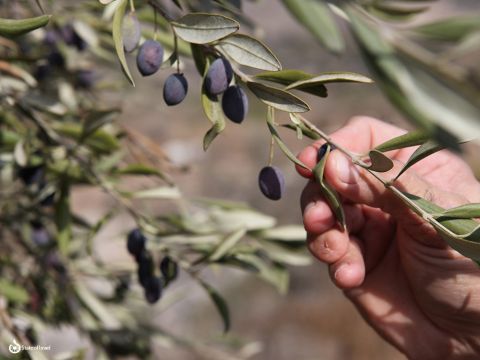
(412, 138)
(462, 235)
(428, 148)
(202, 28)
(396, 11)
(329, 193)
(288, 77)
(219, 303)
(452, 28)
(316, 17)
(467, 211)
(249, 51)
(274, 273)
(379, 162)
(16, 27)
(331, 77)
(279, 141)
(279, 99)
(199, 58)
(118, 38)
(214, 112)
(226, 244)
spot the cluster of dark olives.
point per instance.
(150, 59)
(34, 177)
(217, 82)
(84, 78)
(151, 283)
(271, 182)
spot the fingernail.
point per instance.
(309, 206)
(342, 268)
(346, 171)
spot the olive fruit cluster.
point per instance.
(271, 182)
(150, 59)
(34, 177)
(84, 78)
(152, 284)
(217, 81)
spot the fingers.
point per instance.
(357, 185)
(361, 134)
(349, 271)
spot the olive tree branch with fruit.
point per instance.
(70, 140)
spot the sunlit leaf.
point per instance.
(226, 244)
(163, 192)
(118, 38)
(284, 233)
(249, 51)
(202, 28)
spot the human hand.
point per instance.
(415, 291)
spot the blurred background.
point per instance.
(314, 320)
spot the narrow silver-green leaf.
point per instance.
(284, 77)
(15, 27)
(279, 99)
(213, 110)
(275, 274)
(329, 193)
(139, 169)
(163, 192)
(227, 244)
(219, 303)
(412, 138)
(432, 99)
(331, 77)
(379, 162)
(467, 211)
(427, 149)
(249, 51)
(288, 77)
(281, 144)
(316, 17)
(451, 28)
(118, 38)
(202, 28)
(462, 235)
(289, 233)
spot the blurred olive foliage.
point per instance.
(56, 133)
